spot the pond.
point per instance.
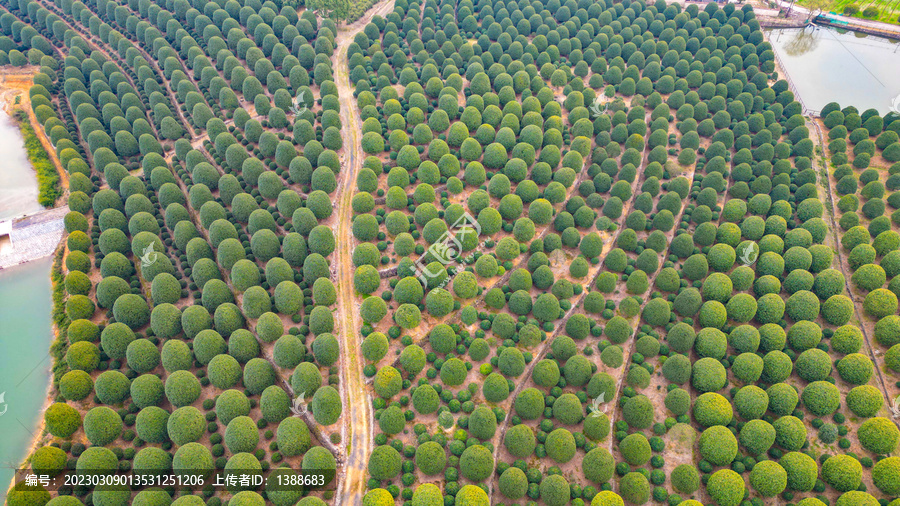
(18, 181)
(830, 65)
(25, 362)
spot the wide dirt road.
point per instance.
(359, 435)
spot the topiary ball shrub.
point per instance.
(790, 433)
(635, 488)
(821, 398)
(685, 479)
(476, 463)
(886, 475)
(757, 436)
(865, 401)
(843, 472)
(768, 478)
(711, 409)
(878, 435)
(802, 471)
(635, 449)
(718, 445)
(726, 487)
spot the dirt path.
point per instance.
(358, 429)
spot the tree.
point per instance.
(815, 7)
(337, 10)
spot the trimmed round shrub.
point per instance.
(849, 339)
(560, 446)
(709, 375)
(751, 402)
(718, 445)
(185, 425)
(801, 469)
(886, 475)
(131, 310)
(855, 369)
(292, 437)
(726, 487)
(326, 405)
(843, 472)
(635, 488)
(75, 385)
(182, 388)
(430, 458)
(878, 435)
(102, 425)
(685, 479)
(476, 463)
(513, 484)
(598, 465)
(880, 302)
(635, 449)
(712, 409)
(384, 463)
(790, 433)
(757, 436)
(865, 401)
(472, 495)
(821, 398)
(768, 478)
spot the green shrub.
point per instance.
(709, 375)
(726, 487)
(476, 463)
(598, 465)
(880, 303)
(635, 488)
(886, 475)
(718, 445)
(757, 436)
(685, 479)
(790, 433)
(768, 478)
(635, 449)
(855, 369)
(560, 446)
(821, 398)
(865, 400)
(102, 425)
(751, 401)
(802, 471)
(430, 458)
(878, 435)
(293, 437)
(843, 472)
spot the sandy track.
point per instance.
(358, 415)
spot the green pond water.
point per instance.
(25, 337)
(25, 327)
(850, 68)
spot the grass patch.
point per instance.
(48, 178)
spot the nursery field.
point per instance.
(460, 253)
(884, 10)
